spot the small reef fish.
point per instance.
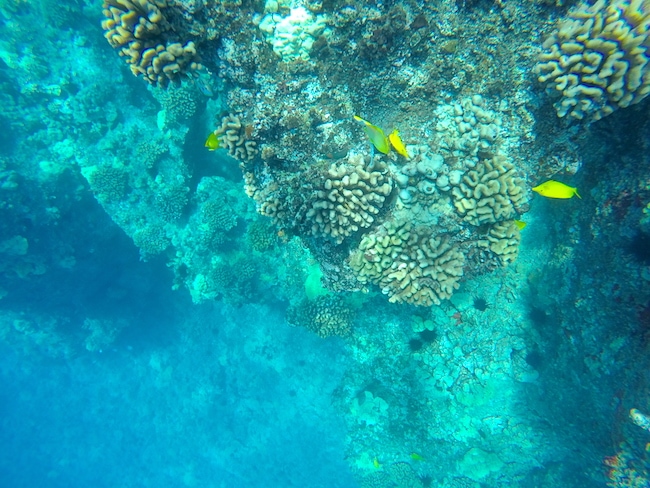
(376, 463)
(212, 142)
(555, 189)
(204, 87)
(396, 142)
(416, 457)
(640, 419)
(520, 224)
(376, 136)
(201, 80)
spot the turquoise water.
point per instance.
(324, 244)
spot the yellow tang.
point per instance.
(396, 142)
(376, 136)
(376, 463)
(520, 224)
(212, 142)
(416, 457)
(555, 189)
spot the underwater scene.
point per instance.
(325, 243)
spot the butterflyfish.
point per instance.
(520, 224)
(212, 142)
(555, 189)
(376, 136)
(398, 145)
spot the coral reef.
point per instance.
(101, 333)
(455, 397)
(151, 240)
(503, 240)
(410, 265)
(178, 103)
(142, 33)
(597, 58)
(333, 201)
(325, 315)
(109, 184)
(262, 235)
(292, 37)
(233, 135)
(491, 192)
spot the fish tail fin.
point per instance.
(577, 194)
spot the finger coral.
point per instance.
(409, 264)
(489, 193)
(597, 58)
(139, 29)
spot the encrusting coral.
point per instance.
(489, 193)
(409, 264)
(598, 58)
(143, 35)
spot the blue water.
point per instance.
(189, 396)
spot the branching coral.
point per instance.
(326, 316)
(170, 200)
(232, 134)
(109, 184)
(261, 234)
(217, 218)
(598, 58)
(139, 29)
(410, 264)
(491, 192)
(151, 240)
(179, 103)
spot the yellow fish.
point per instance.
(376, 463)
(416, 457)
(396, 142)
(376, 136)
(212, 142)
(555, 189)
(520, 224)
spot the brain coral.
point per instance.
(143, 35)
(597, 58)
(410, 264)
(489, 193)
